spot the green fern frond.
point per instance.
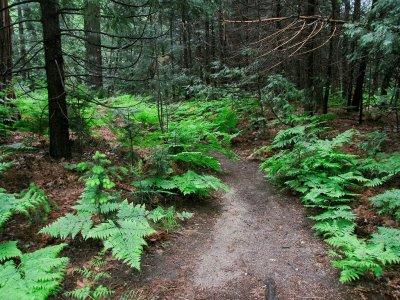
(69, 225)
(337, 227)
(38, 276)
(388, 202)
(9, 250)
(125, 239)
(33, 199)
(338, 212)
(198, 159)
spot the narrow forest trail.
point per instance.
(257, 239)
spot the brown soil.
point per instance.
(255, 239)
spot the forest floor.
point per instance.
(255, 244)
(252, 242)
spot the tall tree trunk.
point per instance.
(92, 29)
(357, 100)
(334, 15)
(185, 37)
(310, 60)
(60, 146)
(22, 41)
(386, 81)
(352, 66)
(345, 49)
(5, 47)
(221, 35)
(359, 85)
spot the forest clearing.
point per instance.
(194, 149)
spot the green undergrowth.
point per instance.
(329, 179)
(101, 213)
(181, 159)
(35, 275)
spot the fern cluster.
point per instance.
(326, 178)
(388, 203)
(381, 168)
(92, 277)
(26, 202)
(38, 275)
(189, 183)
(102, 214)
(358, 256)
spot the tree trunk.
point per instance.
(221, 35)
(60, 146)
(22, 41)
(5, 47)
(185, 37)
(386, 81)
(359, 87)
(334, 14)
(92, 29)
(357, 100)
(310, 61)
(345, 64)
(352, 66)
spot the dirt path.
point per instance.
(257, 239)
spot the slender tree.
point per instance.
(92, 29)
(60, 146)
(5, 46)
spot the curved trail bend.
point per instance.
(257, 241)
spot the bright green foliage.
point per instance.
(125, 238)
(380, 169)
(25, 203)
(389, 238)
(316, 168)
(189, 183)
(121, 226)
(37, 276)
(198, 159)
(9, 250)
(358, 256)
(92, 277)
(388, 202)
(326, 176)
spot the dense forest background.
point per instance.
(341, 50)
(152, 101)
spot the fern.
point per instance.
(189, 183)
(359, 257)
(9, 250)
(25, 203)
(101, 214)
(388, 203)
(198, 159)
(389, 238)
(125, 238)
(325, 176)
(92, 276)
(38, 276)
(380, 169)
(69, 225)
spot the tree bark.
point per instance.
(352, 66)
(22, 41)
(310, 61)
(60, 146)
(357, 100)
(5, 47)
(345, 64)
(94, 61)
(334, 15)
